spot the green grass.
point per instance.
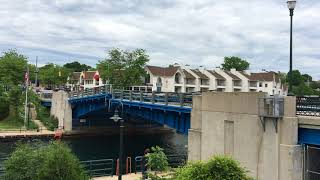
(47, 120)
(11, 122)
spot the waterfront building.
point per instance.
(179, 78)
(85, 79)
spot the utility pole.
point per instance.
(26, 78)
(37, 71)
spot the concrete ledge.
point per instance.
(310, 122)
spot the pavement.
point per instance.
(124, 177)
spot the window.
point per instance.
(266, 85)
(260, 84)
(89, 81)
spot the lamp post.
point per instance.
(116, 118)
(291, 5)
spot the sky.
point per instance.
(193, 32)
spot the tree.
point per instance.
(54, 161)
(297, 78)
(75, 66)
(124, 68)
(235, 63)
(217, 168)
(302, 90)
(12, 68)
(306, 78)
(53, 75)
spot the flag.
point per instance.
(96, 76)
(26, 77)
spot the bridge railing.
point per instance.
(166, 98)
(308, 106)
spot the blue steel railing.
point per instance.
(308, 106)
(165, 98)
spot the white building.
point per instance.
(177, 78)
(85, 79)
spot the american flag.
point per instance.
(26, 77)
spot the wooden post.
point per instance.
(166, 98)
(153, 97)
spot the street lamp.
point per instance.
(291, 5)
(116, 118)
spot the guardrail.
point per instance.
(166, 98)
(101, 167)
(308, 106)
(2, 159)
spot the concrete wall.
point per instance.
(61, 109)
(228, 123)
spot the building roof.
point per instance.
(200, 74)
(163, 71)
(216, 75)
(234, 77)
(75, 76)
(188, 75)
(88, 75)
(265, 76)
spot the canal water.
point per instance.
(107, 146)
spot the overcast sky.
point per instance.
(194, 32)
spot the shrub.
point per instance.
(157, 159)
(38, 161)
(4, 107)
(217, 168)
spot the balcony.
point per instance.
(253, 85)
(204, 82)
(190, 82)
(221, 83)
(237, 84)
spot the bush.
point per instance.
(44, 116)
(54, 161)
(157, 159)
(4, 107)
(218, 168)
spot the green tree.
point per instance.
(234, 62)
(75, 66)
(54, 161)
(302, 90)
(12, 68)
(218, 168)
(297, 78)
(306, 78)
(53, 75)
(124, 68)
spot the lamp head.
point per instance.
(116, 116)
(291, 4)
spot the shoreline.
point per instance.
(85, 132)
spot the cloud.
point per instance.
(195, 32)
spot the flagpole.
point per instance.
(26, 101)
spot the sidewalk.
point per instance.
(26, 133)
(124, 177)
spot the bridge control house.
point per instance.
(179, 78)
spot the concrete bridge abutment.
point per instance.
(229, 124)
(61, 109)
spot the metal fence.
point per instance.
(308, 106)
(311, 162)
(101, 167)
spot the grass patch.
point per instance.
(47, 120)
(10, 122)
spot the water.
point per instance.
(107, 146)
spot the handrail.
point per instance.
(308, 105)
(165, 98)
(100, 167)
